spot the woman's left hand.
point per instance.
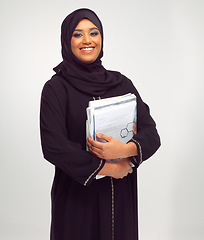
(111, 149)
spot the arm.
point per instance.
(143, 144)
(113, 149)
(56, 145)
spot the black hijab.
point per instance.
(93, 78)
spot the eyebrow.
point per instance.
(80, 30)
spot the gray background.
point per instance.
(159, 45)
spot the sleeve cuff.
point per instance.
(93, 175)
(137, 160)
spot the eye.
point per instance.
(95, 33)
(77, 35)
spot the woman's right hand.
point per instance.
(119, 169)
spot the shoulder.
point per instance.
(55, 90)
(56, 83)
(127, 81)
(128, 85)
(56, 86)
(124, 81)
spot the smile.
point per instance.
(87, 49)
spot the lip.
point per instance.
(87, 49)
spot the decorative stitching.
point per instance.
(140, 149)
(113, 220)
(134, 158)
(93, 173)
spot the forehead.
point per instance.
(85, 24)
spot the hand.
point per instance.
(122, 168)
(111, 149)
(118, 169)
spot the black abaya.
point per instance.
(83, 207)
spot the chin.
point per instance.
(87, 61)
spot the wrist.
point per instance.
(130, 149)
(108, 169)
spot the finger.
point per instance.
(130, 170)
(96, 151)
(89, 140)
(134, 128)
(93, 143)
(91, 147)
(103, 136)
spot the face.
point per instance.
(86, 41)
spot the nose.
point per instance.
(86, 39)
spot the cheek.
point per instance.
(98, 42)
(74, 44)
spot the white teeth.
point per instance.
(87, 49)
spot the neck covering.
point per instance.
(93, 78)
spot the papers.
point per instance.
(114, 117)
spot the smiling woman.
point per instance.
(83, 207)
(86, 41)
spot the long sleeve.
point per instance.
(147, 138)
(56, 145)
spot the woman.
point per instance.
(84, 208)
